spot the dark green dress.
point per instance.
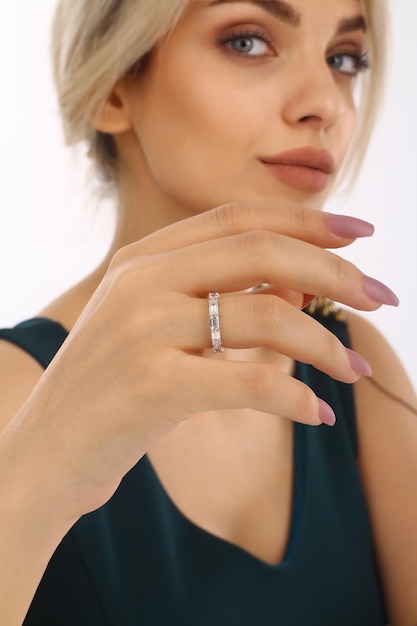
(138, 561)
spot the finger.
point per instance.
(223, 385)
(252, 321)
(325, 230)
(238, 262)
(295, 298)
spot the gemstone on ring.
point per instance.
(216, 338)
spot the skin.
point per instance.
(172, 106)
(170, 248)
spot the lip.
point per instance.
(307, 169)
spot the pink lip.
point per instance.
(307, 169)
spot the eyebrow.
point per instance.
(278, 8)
(352, 23)
(286, 13)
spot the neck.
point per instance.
(138, 215)
(143, 208)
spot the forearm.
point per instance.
(25, 549)
(30, 527)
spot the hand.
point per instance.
(134, 367)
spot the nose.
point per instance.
(315, 97)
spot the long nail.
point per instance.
(359, 364)
(349, 227)
(378, 292)
(326, 413)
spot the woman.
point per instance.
(222, 126)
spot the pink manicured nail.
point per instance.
(359, 364)
(378, 292)
(326, 413)
(349, 227)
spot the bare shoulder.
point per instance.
(387, 436)
(19, 371)
(387, 369)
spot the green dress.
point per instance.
(138, 561)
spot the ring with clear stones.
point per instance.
(216, 338)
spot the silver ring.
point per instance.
(216, 337)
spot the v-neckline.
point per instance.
(297, 503)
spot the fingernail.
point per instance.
(378, 292)
(359, 364)
(347, 226)
(326, 413)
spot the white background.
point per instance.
(52, 232)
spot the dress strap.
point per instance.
(334, 320)
(40, 337)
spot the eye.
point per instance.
(349, 63)
(250, 44)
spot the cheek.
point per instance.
(191, 131)
(196, 98)
(351, 119)
(346, 130)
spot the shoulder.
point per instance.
(386, 403)
(387, 369)
(20, 367)
(387, 458)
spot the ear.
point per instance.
(114, 118)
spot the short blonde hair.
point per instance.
(371, 86)
(94, 44)
(97, 42)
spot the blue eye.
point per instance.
(252, 46)
(248, 44)
(349, 63)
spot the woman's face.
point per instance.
(235, 89)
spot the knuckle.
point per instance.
(305, 402)
(225, 216)
(230, 217)
(332, 347)
(259, 381)
(130, 275)
(257, 244)
(267, 309)
(121, 285)
(337, 267)
(120, 258)
(301, 216)
(309, 221)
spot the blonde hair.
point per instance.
(94, 44)
(97, 42)
(371, 87)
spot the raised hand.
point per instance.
(135, 364)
